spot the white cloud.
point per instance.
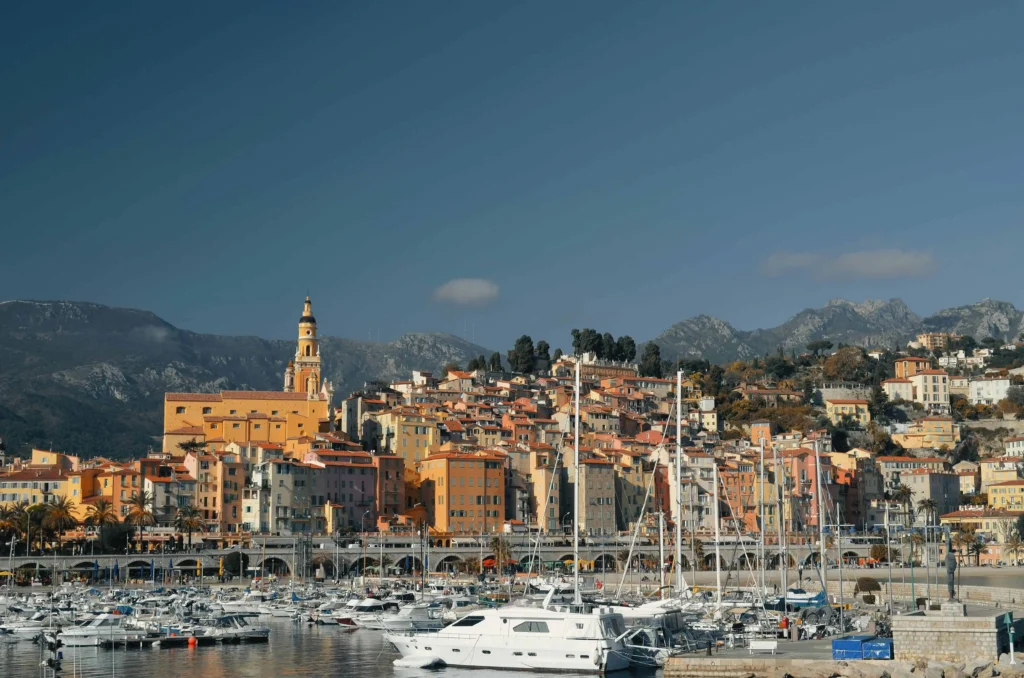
(886, 263)
(467, 291)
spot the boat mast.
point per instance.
(760, 499)
(678, 560)
(577, 599)
(661, 550)
(718, 538)
(823, 553)
(779, 489)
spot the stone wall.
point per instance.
(777, 667)
(920, 637)
(973, 595)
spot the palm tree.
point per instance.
(189, 519)
(502, 552)
(60, 517)
(623, 558)
(140, 514)
(698, 552)
(964, 538)
(928, 506)
(977, 548)
(193, 446)
(1013, 546)
(472, 564)
(904, 495)
(101, 513)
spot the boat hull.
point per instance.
(570, 656)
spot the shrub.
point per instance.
(866, 585)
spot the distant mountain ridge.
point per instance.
(90, 378)
(872, 323)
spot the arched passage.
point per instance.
(449, 564)
(276, 566)
(604, 563)
(746, 560)
(330, 570)
(670, 561)
(709, 562)
(851, 558)
(773, 561)
(409, 564)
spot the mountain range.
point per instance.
(90, 379)
(873, 323)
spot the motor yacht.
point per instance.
(101, 629)
(574, 638)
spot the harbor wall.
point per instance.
(777, 667)
(988, 596)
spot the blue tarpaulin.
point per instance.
(850, 647)
(879, 648)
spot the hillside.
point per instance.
(90, 378)
(882, 324)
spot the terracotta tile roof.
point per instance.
(192, 397)
(846, 401)
(263, 395)
(186, 431)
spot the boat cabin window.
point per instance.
(468, 621)
(531, 627)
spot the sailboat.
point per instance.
(576, 637)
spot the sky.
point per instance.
(490, 169)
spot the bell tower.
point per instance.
(305, 368)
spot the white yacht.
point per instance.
(418, 617)
(371, 613)
(576, 639)
(102, 628)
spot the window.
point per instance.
(207, 410)
(531, 627)
(234, 425)
(179, 410)
(471, 621)
(233, 412)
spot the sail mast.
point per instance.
(577, 598)
(678, 560)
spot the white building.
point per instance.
(988, 390)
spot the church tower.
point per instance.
(303, 373)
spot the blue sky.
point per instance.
(605, 164)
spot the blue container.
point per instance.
(880, 648)
(850, 647)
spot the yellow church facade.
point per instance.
(303, 407)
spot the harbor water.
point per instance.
(294, 649)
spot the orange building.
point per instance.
(909, 366)
(464, 493)
(256, 416)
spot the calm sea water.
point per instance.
(293, 650)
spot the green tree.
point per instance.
(558, 354)
(650, 361)
(543, 351)
(1013, 546)
(502, 550)
(928, 507)
(904, 495)
(452, 367)
(140, 514)
(189, 519)
(816, 347)
(520, 358)
(609, 349)
(192, 446)
(60, 517)
(586, 341)
(1015, 394)
(626, 348)
(879, 403)
(494, 364)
